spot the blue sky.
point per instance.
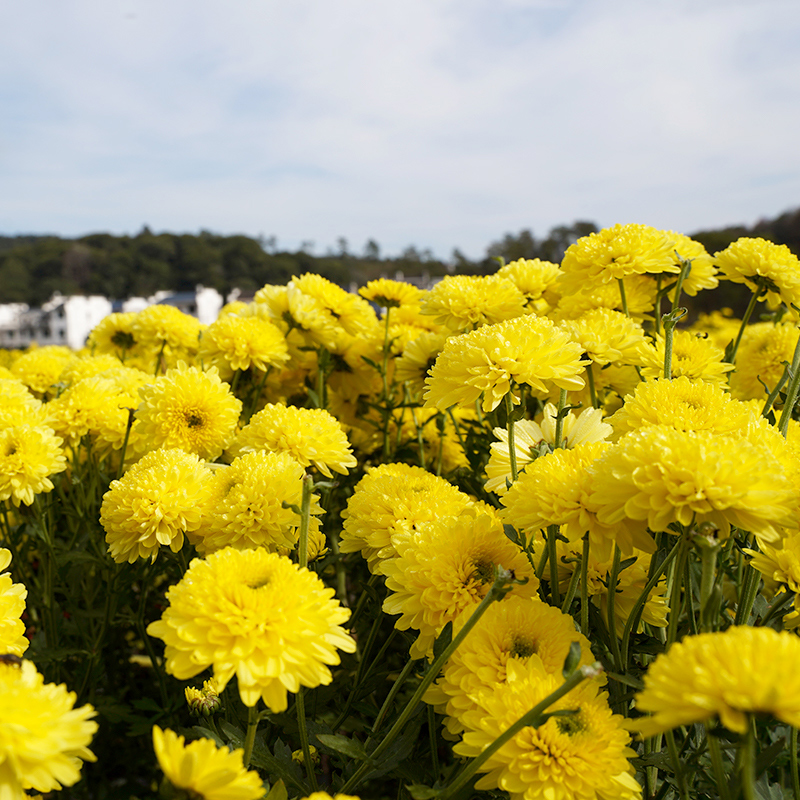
(438, 123)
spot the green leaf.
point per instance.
(341, 744)
(511, 533)
(235, 735)
(207, 733)
(572, 661)
(278, 791)
(443, 640)
(420, 792)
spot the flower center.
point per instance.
(484, 570)
(523, 648)
(194, 420)
(571, 724)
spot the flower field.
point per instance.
(529, 535)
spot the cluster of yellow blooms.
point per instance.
(206, 432)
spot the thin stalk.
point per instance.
(717, 764)
(251, 406)
(250, 736)
(305, 513)
(552, 543)
(680, 773)
(732, 349)
(773, 395)
(562, 402)
(708, 580)
(532, 718)
(387, 703)
(659, 297)
(748, 595)
(303, 732)
(572, 589)
(791, 392)
(675, 601)
(432, 738)
(793, 763)
(512, 449)
(121, 467)
(585, 586)
(622, 297)
(592, 389)
(613, 577)
(158, 358)
(747, 764)
(686, 268)
(499, 589)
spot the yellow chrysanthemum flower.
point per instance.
(250, 504)
(586, 428)
(683, 404)
(655, 476)
(419, 356)
(326, 796)
(12, 606)
(114, 334)
(350, 311)
(760, 264)
(189, 409)
(763, 352)
(40, 369)
(311, 436)
(614, 253)
(537, 280)
(702, 273)
(392, 499)
(203, 702)
(43, 737)
(161, 325)
(28, 456)
(640, 296)
(445, 567)
(779, 564)
(238, 343)
(255, 615)
(87, 367)
(156, 502)
(583, 756)
(520, 629)
(204, 770)
(391, 294)
(693, 355)
(18, 406)
(606, 336)
(465, 302)
(485, 363)
(730, 675)
(719, 325)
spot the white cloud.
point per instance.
(437, 122)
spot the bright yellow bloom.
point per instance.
(156, 502)
(391, 294)
(394, 499)
(465, 302)
(586, 428)
(617, 252)
(445, 567)
(326, 796)
(206, 771)
(419, 356)
(719, 325)
(683, 404)
(583, 756)
(311, 436)
(779, 563)
(702, 273)
(729, 675)
(18, 406)
(114, 334)
(203, 702)
(606, 336)
(162, 325)
(238, 343)
(693, 355)
(189, 409)
(760, 264)
(640, 295)
(12, 606)
(655, 476)
(28, 456)
(41, 368)
(349, 311)
(255, 615)
(520, 629)
(43, 737)
(763, 352)
(250, 506)
(485, 363)
(537, 280)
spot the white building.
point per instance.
(61, 320)
(204, 303)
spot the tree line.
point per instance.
(33, 267)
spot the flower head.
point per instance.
(583, 756)
(41, 368)
(606, 335)
(114, 334)
(161, 325)
(28, 457)
(12, 606)
(43, 737)
(741, 671)
(536, 279)
(208, 772)
(764, 350)
(255, 615)
(762, 266)
(156, 502)
(485, 363)
(240, 342)
(693, 355)
(312, 436)
(189, 409)
(391, 294)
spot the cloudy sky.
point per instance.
(438, 123)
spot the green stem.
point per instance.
(717, 764)
(773, 395)
(499, 589)
(708, 579)
(677, 766)
(387, 703)
(121, 466)
(532, 718)
(747, 764)
(562, 402)
(572, 589)
(301, 726)
(791, 392)
(433, 743)
(732, 349)
(622, 297)
(675, 600)
(585, 586)
(592, 389)
(613, 577)
(793, 763)
(512, 449)
(250, 737)
(552, 543)
(747, 596)
(305, 513)
(686, 268)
